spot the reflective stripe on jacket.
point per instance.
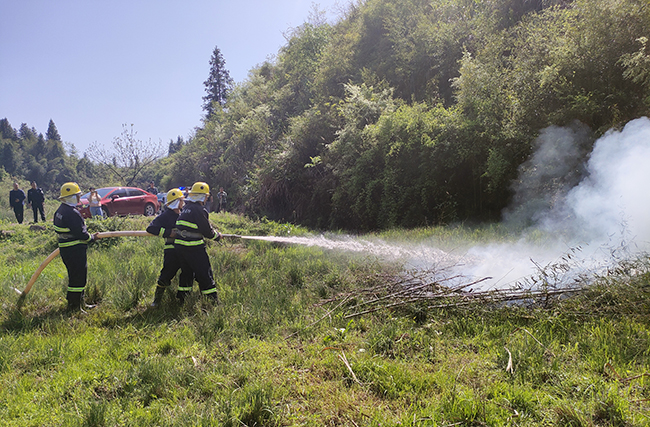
(70, 227)
(163, 225)
(193, 225)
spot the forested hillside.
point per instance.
(28, 154)
(415, 112)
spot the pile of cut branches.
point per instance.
(430, 290)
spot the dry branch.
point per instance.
(426, 287)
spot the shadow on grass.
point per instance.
(23, 319)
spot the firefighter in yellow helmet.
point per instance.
(73, 240)
(164, 225)
(193, 227)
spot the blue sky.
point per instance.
(92, 65)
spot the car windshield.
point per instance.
(101, 191)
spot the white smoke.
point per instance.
(578, 212)
(616, 193)
(556, 166)
(594, 212)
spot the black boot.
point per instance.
(214, 298)
(180, 296)
(160, 291)
(75, 302)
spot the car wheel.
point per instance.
(106, 213)
(149, 209)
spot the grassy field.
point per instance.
(280, 351)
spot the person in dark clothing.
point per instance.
(152, 188)
(193, 226)
(222, 196)
(73, 240)
(35, 199)
(16, 201)
(164, 225)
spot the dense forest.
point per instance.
(402, 113)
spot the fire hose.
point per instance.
(100, 235)
(55, 253)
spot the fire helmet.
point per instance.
(69, 189)
(200, 188)
(173, 194)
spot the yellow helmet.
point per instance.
(200, 188)
(69, 189)
(173, 194)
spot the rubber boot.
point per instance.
(213, 297)
(157, 298)
(180, 296)
(75, 302)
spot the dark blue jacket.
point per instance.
(162, 225)
(35, 196)
(70, 226)
(193, 225)
(16, 198)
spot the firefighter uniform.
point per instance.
(73, 240)
(193, 226)
(164, 225)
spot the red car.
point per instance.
(122, 201)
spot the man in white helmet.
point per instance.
(73, 243)
(193, 227)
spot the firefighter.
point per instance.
(164, 225)
(193, 226)
(73, 240)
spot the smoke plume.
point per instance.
(579, 206)
(592, 209)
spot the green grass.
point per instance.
(278, 350)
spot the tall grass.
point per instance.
(279, 351)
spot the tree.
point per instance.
(175, 147)
(26, 133)
(218, 83)
(52, 133)
(129, 157)
(6, 131)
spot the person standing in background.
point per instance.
(152, 188)
(16, 201)
(35, 199)
(221, 199)
(95, 203)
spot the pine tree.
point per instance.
(175, 147)
(6, 131)
(52, 133)
(26, 133)
(218, 83)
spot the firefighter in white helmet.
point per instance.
(193, 227)
(164, 225)
(73, 240)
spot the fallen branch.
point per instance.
(344, 359)
(509, 368)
